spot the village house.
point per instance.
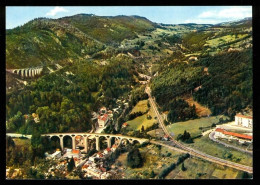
(99, 155)
(242, 138)
(92, 171)
(166, 138)
(107, 150)
(35, 118)
(76, 161)
(143, 82)
(113, 148)
(92, 158)
(84, 167)
(74, 153)
(55, 155)
(244, 121)
(102, 120)
(124, 125)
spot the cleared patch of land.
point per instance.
(200, 110)
(192, 126)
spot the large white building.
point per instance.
(244, 121)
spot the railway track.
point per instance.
(192, 151)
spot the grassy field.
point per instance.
(141, 106)
(200, 169)
(224, 39)
(192, 126)
(136, 124)
(204, 144)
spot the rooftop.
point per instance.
(243, 136)
(244, 116)
(104, 117)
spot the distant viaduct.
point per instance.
(27, 72)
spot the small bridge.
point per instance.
(94, 136)
(27, 72)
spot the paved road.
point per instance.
(192, 151)
(211, 136)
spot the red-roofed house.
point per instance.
(124, 125)
(103, 169)
(74, 153)
(244, 121)
(102, 120)
(99, 155)
(113, 148)
(166, 138)
(107, 150)
(219, 132)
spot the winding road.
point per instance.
(192, 151)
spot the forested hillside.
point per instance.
(46, 41)
(225, 82)
(64, 102)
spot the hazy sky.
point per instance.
(18, 15)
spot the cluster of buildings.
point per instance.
(35, 117)
(61, 168)
(102, 117)
(241, 138)
(94, 167)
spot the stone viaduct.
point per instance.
(90, 136)
(27, 72)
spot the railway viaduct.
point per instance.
(94, 136)
(27, 72)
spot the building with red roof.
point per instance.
(107, 150)
(219, 132)
(113, 148)
(124, 125)
(99, 155)
(102, 120)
